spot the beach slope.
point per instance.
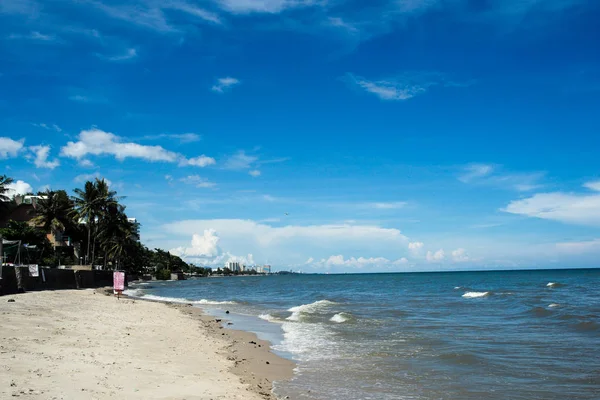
(85, 345)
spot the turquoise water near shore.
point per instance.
(461, 335)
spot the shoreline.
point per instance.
(71, 344)
(253, 361)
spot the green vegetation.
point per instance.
(92, 221)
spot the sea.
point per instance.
(452, 335)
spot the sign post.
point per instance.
(118, 283)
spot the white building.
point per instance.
(233, 266)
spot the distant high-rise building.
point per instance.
(233, 266)
(136, 228)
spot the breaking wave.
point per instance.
(139, 294)
(340, 318)
(473, 295)
(270, 318)
(311, 308)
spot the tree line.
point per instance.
(92, 217)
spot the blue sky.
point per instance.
(318, 135)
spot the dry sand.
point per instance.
(86, 345)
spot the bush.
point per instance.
(163, 274)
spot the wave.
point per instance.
(311, 308)
(133, 292)
(587, 326)
(540, 312)
(554, 284)
(553, 305)
(308, 342)
(270, 318)
(139, 294)
(342, 317)
(460, 358)
(473, 295)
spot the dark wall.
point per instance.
(17, 279)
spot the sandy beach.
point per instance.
(87, 345)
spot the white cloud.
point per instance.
(356, 263)
(10, 148)
(340, 23)
(41, 157)
(224, 84)
(85, 163)
(34, 36)
(282, 243)
(415, 247)
(18, 188)
(460, 255)
(98, 142)
(50, 127)
(205, 250)
(581, 209)
(388, 206)
(474, 171)
(492, 175)
(91, 177)
(181, 137)
(206, 245)
(150, 14)
(200, 161)
(240, 160)
(169, 178)
(435, 257)
(595, 185)
(151, 18)
(388, 89)
(255, 173)
(192, 10)
(197, 181)
(403, 87)
(262, 6)
(128, 54)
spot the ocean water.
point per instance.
(462, 335)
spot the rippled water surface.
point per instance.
(462, 335)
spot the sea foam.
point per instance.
(340, 318)
(269, 317)
(472, 295)
(139, 294)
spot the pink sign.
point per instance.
(119, 281)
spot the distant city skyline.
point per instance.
(337, 136)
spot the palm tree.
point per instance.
(107, 207)
(92, 204)
(5, 201)
(85, 208)
(4, 182)
(115, 233)
(54, 212)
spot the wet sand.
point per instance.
(86, 345)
